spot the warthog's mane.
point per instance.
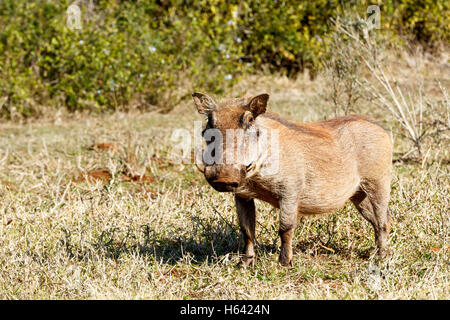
(318, 129)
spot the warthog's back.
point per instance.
(369, 144)
(329, 160)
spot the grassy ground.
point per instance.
(92, 207)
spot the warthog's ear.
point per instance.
(258, 104)
(204, 103)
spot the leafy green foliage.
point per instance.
(126, 53)
(151, 54)
(426, 21)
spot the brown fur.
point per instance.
(322, 166)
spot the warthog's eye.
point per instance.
(247, 119)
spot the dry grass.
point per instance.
(92, 207)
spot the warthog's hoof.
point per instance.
(247, 261)
(285, 261)
(383, 254)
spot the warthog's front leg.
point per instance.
(246, 213)
(288, 222)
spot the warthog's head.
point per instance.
(230, 134)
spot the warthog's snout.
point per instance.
(224, 185)
(223, 178)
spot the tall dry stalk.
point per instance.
(407, 107)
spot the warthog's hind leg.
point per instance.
(373, 206)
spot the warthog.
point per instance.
(321, 166)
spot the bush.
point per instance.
(426, 21)
(126, 53)
(150, 54)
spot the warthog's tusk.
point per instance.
(253, 168)
(200, 167)
(199, 161)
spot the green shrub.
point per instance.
(426, 21)
(126, 53)
(150, 54)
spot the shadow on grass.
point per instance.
(204, 239)
(209, 240)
